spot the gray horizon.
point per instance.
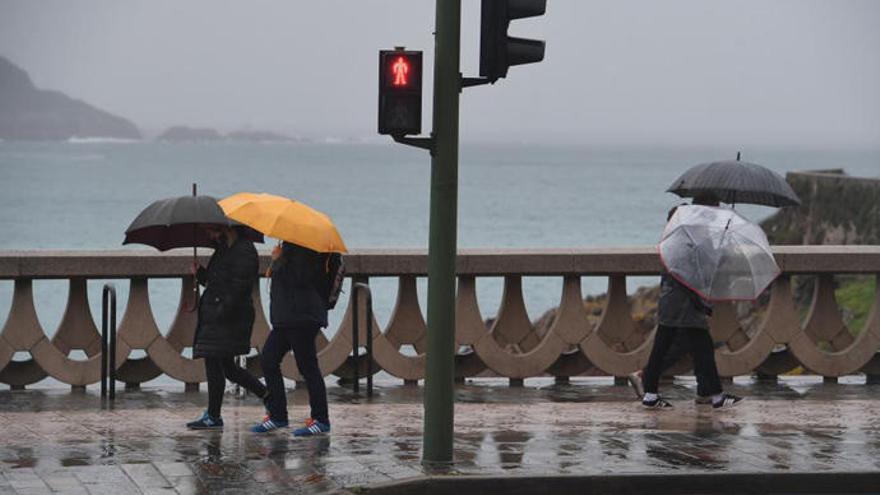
(676, 73)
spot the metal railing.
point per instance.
(108, 341)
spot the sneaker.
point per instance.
(268, 425)
(637, 383)
(265, 400)
(703, 399)
(727, 400)
(658, 403)
(312, 428)
(205, 423)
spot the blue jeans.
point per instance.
(301, 340)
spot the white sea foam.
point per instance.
(100, 140)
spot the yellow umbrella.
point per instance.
(285, 219)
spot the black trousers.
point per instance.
(220, 369)
(679, 348)
(302, 341)
(702, 350)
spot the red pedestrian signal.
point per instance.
(400, 68)
(400, 92)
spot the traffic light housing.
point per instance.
(400, 92)
(499, 51)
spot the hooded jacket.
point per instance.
(681, 307)
(298, 294)
(226, 309)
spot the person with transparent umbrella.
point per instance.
(683, 315)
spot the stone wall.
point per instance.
(836, 209)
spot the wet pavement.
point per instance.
(62, 441)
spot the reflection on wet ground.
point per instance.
(55, 440)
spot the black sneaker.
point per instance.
(658, 403)
(205, 423)
(727, 400)
(637, 383)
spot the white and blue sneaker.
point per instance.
(205, 423)
(312, 428)
(268, 425)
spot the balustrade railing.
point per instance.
(511, 346)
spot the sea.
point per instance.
(83, 194)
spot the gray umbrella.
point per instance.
(173, 223)
(736, 182)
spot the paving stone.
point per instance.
(100, 474)
(61, 482)
(173, 469)
(33, 491)
(111, 488)
(145, 476)
(24, 478)
(186, 484)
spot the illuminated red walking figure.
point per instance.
(400, 69)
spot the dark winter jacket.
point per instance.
(681, 307)
(226, 309)
(298, 294)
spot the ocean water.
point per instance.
(83, 195)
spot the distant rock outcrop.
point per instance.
(835, 209)
(259, 137)
(183, 134)
(31, 114)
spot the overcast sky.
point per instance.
(756, 72)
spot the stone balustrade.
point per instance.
(509, 347)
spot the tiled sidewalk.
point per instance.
(58, 441)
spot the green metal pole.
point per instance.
(440, 367)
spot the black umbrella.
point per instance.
(173, 223)
(736, 182)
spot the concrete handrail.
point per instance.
(512, 346)
(37, 264)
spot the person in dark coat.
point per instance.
(683, 325)
(225, 319)
(298, 311)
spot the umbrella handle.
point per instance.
(195, 304)
(195, 275)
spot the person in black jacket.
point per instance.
(298, 310)
(683, 315)
(225, 319)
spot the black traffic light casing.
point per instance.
(400, 92)
(499, 51)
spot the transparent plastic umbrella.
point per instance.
(717, 253)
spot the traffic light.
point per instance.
(499, 51)
(400, 92)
